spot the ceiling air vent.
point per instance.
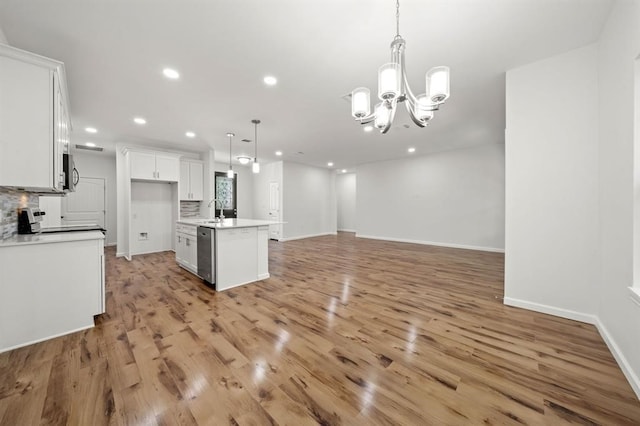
(89, 148)
(246, 140)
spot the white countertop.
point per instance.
(60, 237)
(228, 223)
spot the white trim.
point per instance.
(626, 368)
(263, 276)
(121, 254)
(551, 310)
(433, 243)
(301, 237)
(347, 230)
(111, 244)
(622, 361)
(47, 338)
(635, 294)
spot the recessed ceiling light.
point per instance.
(270, 80)
(330, 164)
(90, 130)
(91, 144)
(140, 120)
(368, 128)
(278, 153)
(344, 170)
(411, 150)
(190, 135)
(171, 73)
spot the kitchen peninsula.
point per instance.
(226, 253)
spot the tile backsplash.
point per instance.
(189, 209)
(10, 200)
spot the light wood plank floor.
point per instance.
(346, 331)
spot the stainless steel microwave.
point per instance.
(71, 175)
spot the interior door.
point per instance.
(226, 194)
(274, 210)
(86, 205)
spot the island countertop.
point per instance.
(228, 223)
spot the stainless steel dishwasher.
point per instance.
(207, 254)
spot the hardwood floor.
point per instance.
(346, 331)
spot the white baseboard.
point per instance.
(21, 345)
(263, 276)
(110, 244)
(551, 310)
(120, 254)
(622, 361)
(626, 368)
(433, 243)
(346, 230)
(301, 237)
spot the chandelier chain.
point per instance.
(397, 18)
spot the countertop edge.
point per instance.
(62, 237)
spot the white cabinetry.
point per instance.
(187, 247)
(236, 257)
(154, 166)
(59, 296)
(34, 121)
(191, 180)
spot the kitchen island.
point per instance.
(225, 254)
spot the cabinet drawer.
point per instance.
(187, 229)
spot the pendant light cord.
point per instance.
(397, 18)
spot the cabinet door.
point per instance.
(192, 252)
(196, 178)
(26, 123)
(185, 191)
(143, 165)
(167, 168)
(181, 248)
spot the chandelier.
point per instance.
(393, 88)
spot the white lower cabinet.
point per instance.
(50, 289)
(236, 257)
(187, 247)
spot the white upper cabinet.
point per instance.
(191, 180)
(34, 121)
(154, 166)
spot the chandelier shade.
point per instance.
(393, 88)
(389, 81)
(438, 84)
(382, 116)
(361, 102)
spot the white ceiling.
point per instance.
(115, 50)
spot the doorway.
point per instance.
(226, 194)
(86, 205)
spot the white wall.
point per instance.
(309, 201)
(552, 184)
(618, 47)
(3, 38)
(100, 165)
(271, 172)
(153, 213)
(453, 198)
(346, 200)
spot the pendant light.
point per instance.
(256, 166)
(230, 171)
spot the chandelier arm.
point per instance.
(405, 83)
(392, 115)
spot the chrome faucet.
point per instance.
(216, 200)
